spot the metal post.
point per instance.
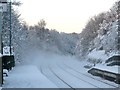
(10, 27)
(1, 70)
(3, 8)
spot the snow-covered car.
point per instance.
(5, 72)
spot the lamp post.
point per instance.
(3, 8)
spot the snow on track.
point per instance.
(86, 78)
(65, 72)
(72, 80)
(60, 78)
(50, 75)
(59, 72)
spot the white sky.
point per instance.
(63, 15)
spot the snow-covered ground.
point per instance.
(100, 54)
(27, 76)
(0, 88)
(59, 71)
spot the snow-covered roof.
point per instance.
(113, 69)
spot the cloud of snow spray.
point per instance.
(38, 57)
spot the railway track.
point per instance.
(61, 78)
(49, 73)
(56, 75)
(79, 77)
(89, 76)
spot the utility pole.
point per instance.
(3, 8)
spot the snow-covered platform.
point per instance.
(27, 77)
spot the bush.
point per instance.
(8, 62)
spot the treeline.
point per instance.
(100, 33)
(27, 38)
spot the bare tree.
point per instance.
(42, 24)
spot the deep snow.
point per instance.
(70, 70)
(27, 76)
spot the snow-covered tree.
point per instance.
(101, 33)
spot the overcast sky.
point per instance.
(63, 15)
